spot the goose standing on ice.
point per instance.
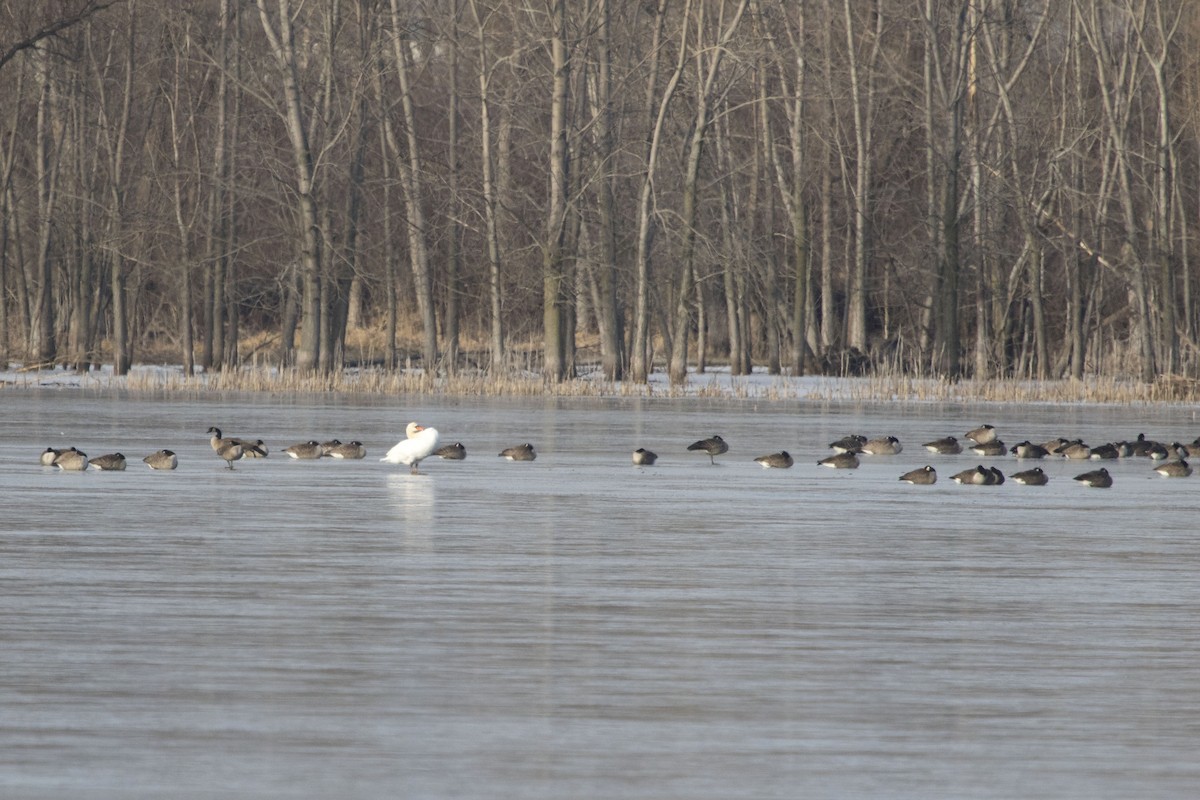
(714, 446)
(419, 445)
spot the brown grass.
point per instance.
(1100, 390)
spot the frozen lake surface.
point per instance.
(579, 627)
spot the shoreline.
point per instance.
(715, 384)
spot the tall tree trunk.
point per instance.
(553, 322)
(454, 290)
(862, 99)
(411, 182)
(656, 117)
(607, 319)
(487, 167)
(283, 49)
(706, 80)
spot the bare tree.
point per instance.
(278, 29)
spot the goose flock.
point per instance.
(985, 441)
(421, 442)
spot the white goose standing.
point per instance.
(419, 445)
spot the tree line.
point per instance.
(990, 188)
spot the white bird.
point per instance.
(420, 444)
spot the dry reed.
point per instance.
(716, 386)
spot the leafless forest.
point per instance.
(983, 188)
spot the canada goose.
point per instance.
(1055, 445)
(72, 460)
(231, 451)
(1028, 449)
(925, 476)
(1104, 452)
(327, 446)
(644, 458)
(350, 450)
(1098, 478)
(1031, 477)
(848, 444)
(947, 446)
(1157, 451)
(976, 476)
(249, 449)
(983, 434)
(714, 446)
(840, 461)
(995, 447)
(451, 452)
(884, 446)
(1076, 450)
(1182, 450)
(163, 459)
(50, 454)
(305, 450)
(419, 445)
(108, 462)
(522, 452)
(780, 460)
(255, 449)
(1177, 468)
(1143, 447)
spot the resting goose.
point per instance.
(522, 452)
(163, 459)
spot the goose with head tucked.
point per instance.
(108, 462)
(1098, 478)
(947, 446)
(925, 476)
(451, 452)
(852, 443)
(883, 446)
(644, 458)
(72, 460)
(163, 459)
(993, 448)
(306, 450)
(1031, 477)
(1176, 468)
(1028, 449)
(976, 476)
(420, 444)
(521, 452)
(345, 450)
(840, 461)
(780, 460)
(714, 446)
(983, 434)
(50, 454)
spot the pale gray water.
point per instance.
(578, 627)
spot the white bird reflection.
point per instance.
(413, 498)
